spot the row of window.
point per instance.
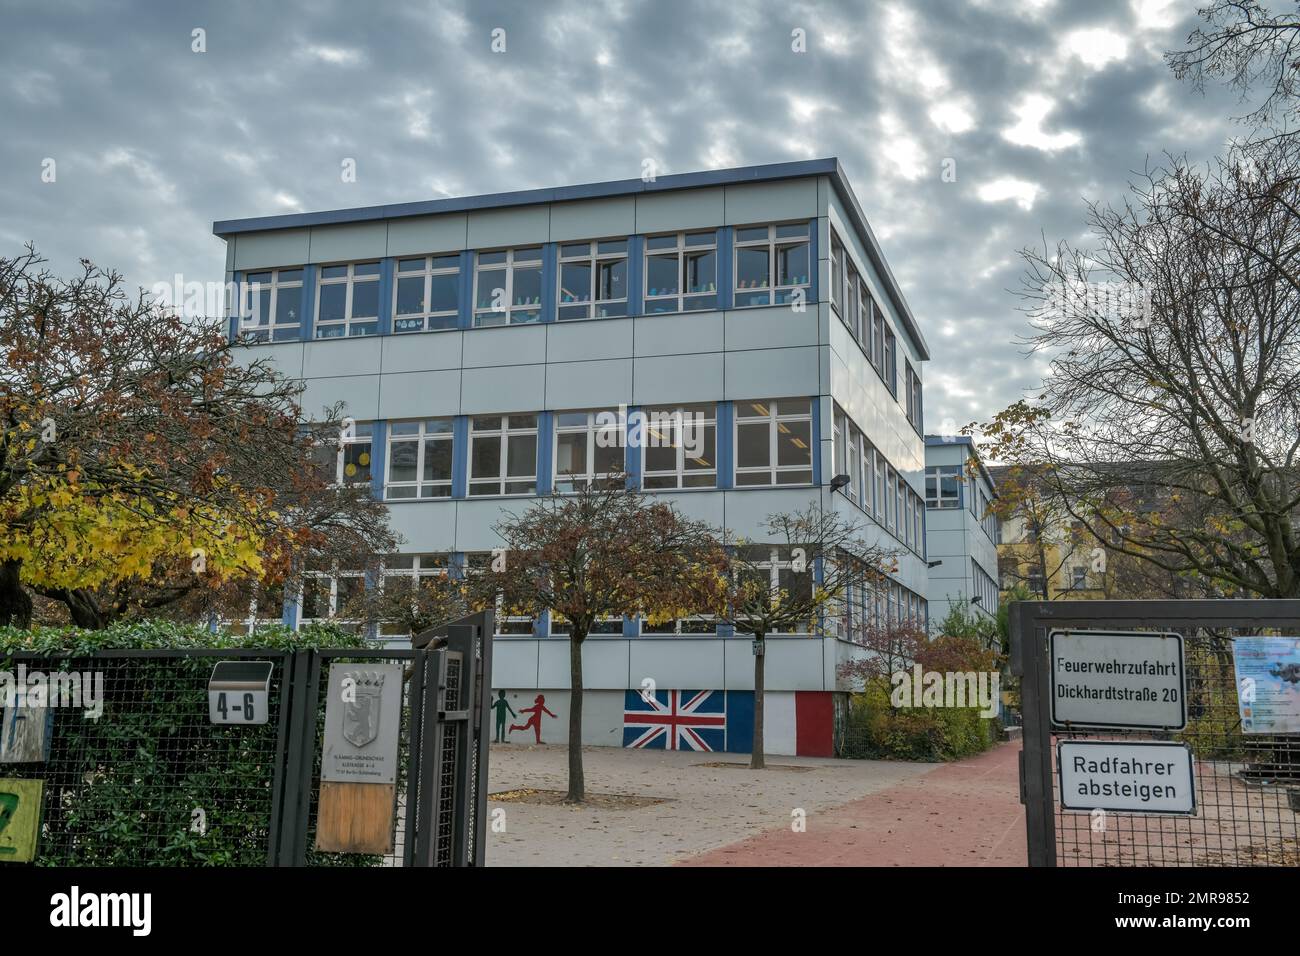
(862, 315)
(678, 447)
(983, 587)
(771, 265)
(876, 486)
(876, 609)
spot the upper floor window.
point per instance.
(680, 447)
(772, 262)
(681, 272)
(837, 273)
(862, 321)
(508, 287)
(347, 300)
(912, 387)
(272, 306)
(890, 370)
(943, 486)
(426, 295)
(774, 442)
(588, 447)
(503, 455)
(345, 460)
(593, 279)
(419, 459)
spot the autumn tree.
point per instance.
(807, 566)
(601, 551)
(143, 459)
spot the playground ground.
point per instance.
(660, 808)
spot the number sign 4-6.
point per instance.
(238, 692)
(238, 708)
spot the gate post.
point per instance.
(1028, 663)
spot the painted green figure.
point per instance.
(8, 807)
(501, 705)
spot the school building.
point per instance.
(477, 341)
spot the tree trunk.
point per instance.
(83, 610)
(15, 602)
(577, 785)
(756, 752)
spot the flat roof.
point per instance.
(772, 172)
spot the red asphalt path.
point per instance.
(965, 813)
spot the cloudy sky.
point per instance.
(1041, 104)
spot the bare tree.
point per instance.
(1174, 345)
(1245, 46)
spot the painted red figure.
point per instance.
(535, 720)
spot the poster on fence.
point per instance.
(1268, 684)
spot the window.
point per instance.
(868, 470)
(1079, 577)
(909, 392)
(345, 459)
(681, 272)
(610, 624)
(914, 413)
(272, 305)
(419, 459)
(908, 530)
(680, 447)
(918, 521)
(503, 455)
(851, 299)
(882, 493)
(771, 263)
(336, 595)
(774, 442)
(837, 274)
(347, 300)
(478, 562)
(508, 287)
(426, 295)
(943, 486)
(900, 504)
(862, 321)
(891, 361)
(855, 439)
(682, 625)
(408, 571)
(593, 279)
(891, 499)
(878, 338)
(588, 447)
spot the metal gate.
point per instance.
(128, 789)
(1247, 786)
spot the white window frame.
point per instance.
(940, 502)
(517, 624)
(776, 294)
(251, 289)
(333, 576)
(350, 281)
(510, 266)
(504, 433)
(426, 315)
(363, 433)
(592, 429)
(774, 419)
(421, 440)
(594, 259)
(680, 472)
(681, 250)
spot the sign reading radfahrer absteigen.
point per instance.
(1133, 680)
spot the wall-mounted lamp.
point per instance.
(934, 564)
(839, 481)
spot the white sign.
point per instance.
(238, 692)
(1129, 679)
(237, 707)
(1147, 777)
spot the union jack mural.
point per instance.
(676, 720)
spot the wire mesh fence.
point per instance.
(154, 782)
(151, 781)
(1246, 785)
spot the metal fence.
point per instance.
(153, 783)
(1247, 786)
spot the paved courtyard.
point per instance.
(856, 812)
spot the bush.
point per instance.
(123, 790)
(875, 729)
